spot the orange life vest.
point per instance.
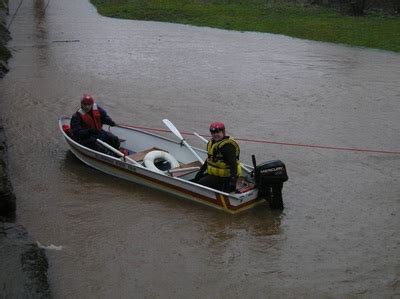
(92, 120)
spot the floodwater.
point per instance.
(339, 234)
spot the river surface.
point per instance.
(339, 234)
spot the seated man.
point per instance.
(86, 126)
(222, 165)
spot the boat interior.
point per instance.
(185, 168)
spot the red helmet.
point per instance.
(87, 99)
(217, 126)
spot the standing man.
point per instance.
(87, 122)
(222, 165)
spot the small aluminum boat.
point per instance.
(168, 165)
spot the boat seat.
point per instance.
(186, 168)
(139, 156)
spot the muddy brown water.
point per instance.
(339, 233)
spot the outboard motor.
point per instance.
(269, 177)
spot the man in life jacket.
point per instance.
(86, 125)
(222, 165)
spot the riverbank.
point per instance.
(23, 264)
(379, 28)
(4, 38)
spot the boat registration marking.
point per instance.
(245, 196)
(116, 162)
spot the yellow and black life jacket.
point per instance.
(215, 163)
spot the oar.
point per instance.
(174, 130)
(118, 152)
(201, 137)
(205, 140)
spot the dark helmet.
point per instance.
(217, 126)
(87, 99)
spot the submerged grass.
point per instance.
(313, 23)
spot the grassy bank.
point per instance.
(314, 23)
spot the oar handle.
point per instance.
(114, 150)
(201, 137)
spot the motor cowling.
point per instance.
(270, 177)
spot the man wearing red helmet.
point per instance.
(222, 164)
(87, 122)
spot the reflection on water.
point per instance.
(40, 35)
(258, 222)
(253, 232)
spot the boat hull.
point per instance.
(122, 168)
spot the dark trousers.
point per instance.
(107, 137)
(214, 182)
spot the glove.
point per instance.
(231, 186)
(93, 131)
(112, 123)
(198, 176)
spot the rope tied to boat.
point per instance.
(315, 146)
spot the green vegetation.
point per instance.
(307, 22)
